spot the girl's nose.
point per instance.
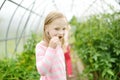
(61, 32)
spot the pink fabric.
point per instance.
(50, 62)
(68, 61)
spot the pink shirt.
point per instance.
(50, 62)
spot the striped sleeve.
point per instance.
(44, 59)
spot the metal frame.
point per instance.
(37, 15)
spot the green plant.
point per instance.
(97, 42)
(23, 67)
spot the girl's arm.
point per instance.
(44, 59)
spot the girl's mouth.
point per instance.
(60, 37)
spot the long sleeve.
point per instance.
(44, 59)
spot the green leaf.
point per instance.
(110, 72)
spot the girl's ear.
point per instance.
(47, 33)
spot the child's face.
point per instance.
(57, 28)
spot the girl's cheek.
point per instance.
(54, 33)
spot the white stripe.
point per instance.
(44, 70)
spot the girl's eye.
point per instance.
(56, 28)
(64, 28)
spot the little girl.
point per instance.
(49, 52)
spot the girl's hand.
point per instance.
(54, 42)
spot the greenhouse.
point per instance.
(93, 39)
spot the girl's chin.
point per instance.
(61, 39)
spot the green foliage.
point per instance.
(97, 42)
(23, 67)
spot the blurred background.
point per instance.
(94, 37)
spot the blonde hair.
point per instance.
(49, 19)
